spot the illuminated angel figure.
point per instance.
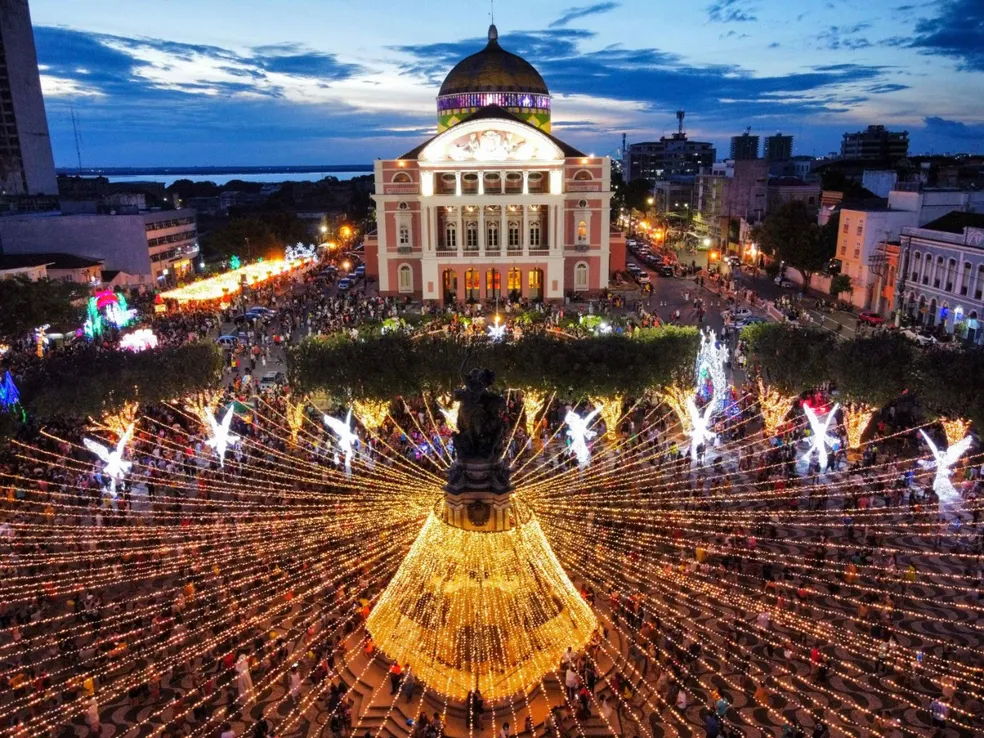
(497, 332)
(712, 359)
(819, 438)
(347, 437)
(943, 460)
(221, 437)
(700, 432)
(578, 432)
(115, 467)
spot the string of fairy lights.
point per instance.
(274, 524)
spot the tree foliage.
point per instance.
(91, 381)
(874, 370)
(390, 365)
(791, 234)
(948, 383)
(26, 305)
(840, 283)
(791, 358)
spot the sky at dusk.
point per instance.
(212, 82)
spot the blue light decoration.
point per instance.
(234, 262)
(9, 395)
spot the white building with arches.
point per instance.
(493, 206)
(941, 282)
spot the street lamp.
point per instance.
(707, 241)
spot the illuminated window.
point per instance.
(401, 177)
(965, 279)
(405, 278)
(473, 285)
(582, 232)
(493, 283)
(451, 236)
(515, 281)
(581, 277)
(582, 176)
(536, 278)
(535, 234)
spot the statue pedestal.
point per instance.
(478, 497)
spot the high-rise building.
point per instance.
(26, 164)
(876, 142)
(744, 147)
(669, 157)
(778, 148)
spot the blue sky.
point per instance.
(335, 81)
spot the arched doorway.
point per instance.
(450, 286)
(473, 286)
(931, 314)
(536, 284)
(515, 285)
(493, 284)
(921, 313)
(973, 328)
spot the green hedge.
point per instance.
(382, 367)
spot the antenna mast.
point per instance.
(78, 139)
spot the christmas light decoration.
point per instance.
(857, 415)
(300, 252)
(497, 331)
(710, 367)
(700, 432)
(41, 339)
(118, 422)
(611, 413)
(139, 340)
(954, 429)
(371, 413)
(775, 407)
(347, 438)
(943, 462)
(295, 419)
(220, 438)
(580, 434)
(819, 439)
(116, 468)
(9, 395)
(676, 397)
(202, 404)
(450, 414)
(533, 403)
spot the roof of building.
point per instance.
(494, 112)
(51, 260)
(791, 182)
(493, 69)
(108, 275)
(955, 222)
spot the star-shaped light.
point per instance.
(943, 461)
(346, 437)
(819, 437)
(221, 438)
(497, 332)
(115, 467)
(578, 432)
(700, 432)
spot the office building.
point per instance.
(28, 167)
(876, 143)
(744, 147)
(778, 148)
(669, 157)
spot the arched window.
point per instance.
(582, 232)
(493, 284)
(536, 284)
(513, 234)
(450, 235)
(583, 175)
(965, 279)
(404, 234)
(979, 283)
(535, 234)
(492, 234)
(916, 266)
(938, 272)
(580, 277)
(405, 278)
(951, 271)
(515, 281)
(471, 235)
(401, 178)
(473, 285)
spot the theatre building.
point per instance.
(493, 206)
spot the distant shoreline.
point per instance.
(207, 171)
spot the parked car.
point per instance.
(643, 278)
(344, 284)
(869, 318)
(271, 380)
(735, 313)
(666, 271)
(633, 267)
(747, 321)
(921, 338)
(226, 341)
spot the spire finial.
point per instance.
(493, 31)
(492, 14)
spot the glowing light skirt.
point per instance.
(954, 429)
(140, 340)
(371, 413)
(775, 407)
(819, 438)
(346, 437)
(711, 360)
(295, 419)
(220, 438)
(857, 415)
(470, 608)
(533, 404)
(611, 413)
(944, 461)
(451, 415)
(578, 432)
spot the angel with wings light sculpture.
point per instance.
(578, 432)
(347, 438)
(819, 437)
(943, 461)
(221, 438)
(116, 468)
(700, 432)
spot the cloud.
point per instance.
(954, 33)
(729, 11)
(572, 14)
(836, 38)
(954, 129)
(774, 45)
